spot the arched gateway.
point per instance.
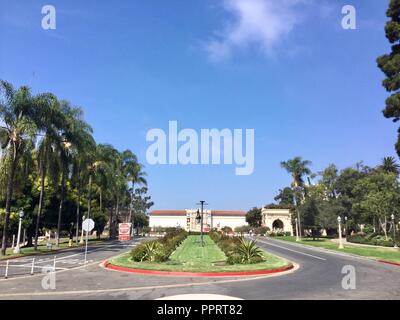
(277, 219)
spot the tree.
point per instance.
(22, 114)
(379, 196)
(329, 178)
(254, 217)
(298, 168)
(389, 165)
(390, 66)
(285, 196)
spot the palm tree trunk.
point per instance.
(10, 189)
(78, 208)
(110, 221)
(89, 198)
(40, 209)
(60, 207)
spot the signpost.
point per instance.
(87, 226)
(124, 231)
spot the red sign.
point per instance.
(124, 231)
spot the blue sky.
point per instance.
(305, 85)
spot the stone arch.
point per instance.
(277, 224)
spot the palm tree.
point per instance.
(298, 168)
(53, 123)
(22, 114)
(390, 165)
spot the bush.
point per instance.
(375, 239)
(234, 258)
(159, 250)
(261, 231)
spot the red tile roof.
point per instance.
(218, 213)
(229, 213)
(168, 213)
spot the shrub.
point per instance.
(261, 230)
(159, 250)
(234, 258)
(138, 252)
(249, 252)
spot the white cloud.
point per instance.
(263, 23)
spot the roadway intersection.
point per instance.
(318, 276)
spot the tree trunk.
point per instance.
(383, 226)
(40, 209)
(78, 208)
(101, 200)
(60, 208)
(10, 189)
(110, 221)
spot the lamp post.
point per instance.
(345, 225)
(17, 248)
(297, 230)
(340, 233)
(394, 231)
(200, 218)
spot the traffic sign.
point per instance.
(88, 225)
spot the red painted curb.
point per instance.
(197, 274)
(389, 262)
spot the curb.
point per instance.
(110, 266)
(389, 262)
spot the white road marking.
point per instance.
(299, 252)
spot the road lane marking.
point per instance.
(303, 253)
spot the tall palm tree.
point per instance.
(390, 165)
(53, 123)
(75, 135)
(22, 114)
(298, 168)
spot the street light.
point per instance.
(297, 230)
(17, 249)
(394, 231)
(340, 233)
(345, 223)
(199, 218)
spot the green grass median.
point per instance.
(190, 256)
(378, 253)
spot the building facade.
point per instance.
(187, 219)
(277, 220)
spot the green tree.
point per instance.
(379, 196)
(390, 165)
(298, 168)
(390, 65)
(254, 217)
(22, 114)
(285, 196)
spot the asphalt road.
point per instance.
(319, 276)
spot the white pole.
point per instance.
(33, 266)
(13, 241)
(24, 237)
(297, 231)
(54, 263)
(340, 234)
(17, 249)
(6, 275)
